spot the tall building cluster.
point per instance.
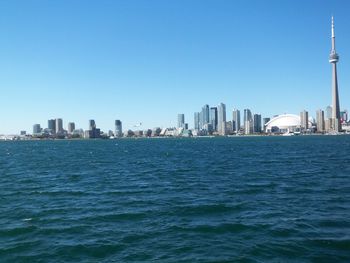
(55, 130)
(324, 122)
(214, 121)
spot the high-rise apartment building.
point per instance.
(59, 125)
(257, 123)
(304, 120)
(197, 121)
(92, 124)
(118, 128)
(248, 121)
(93, 132)
(320, 122)
(181, 120)
(328, 119)
(204, 116)
(222, 119)
(36, 129)
(213, 118)
(236, 120)
(328, 112)
(51, 125)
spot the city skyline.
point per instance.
(215, 123)
(65, 75)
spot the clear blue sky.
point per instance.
(146, 61)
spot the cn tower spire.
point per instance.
(333, 35)
(333, 59)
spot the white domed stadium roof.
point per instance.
(284, 121)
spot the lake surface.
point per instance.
(246, 199)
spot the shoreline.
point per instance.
(19, 138)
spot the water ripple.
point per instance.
(269, 199)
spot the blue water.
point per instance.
(251, 199)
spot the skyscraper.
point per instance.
(257, 123)
(329, 112)
(118, 128)
(181, 120)
(204, 116)
(92, 124)
(36, 129)
(248, 121)
(320, 121)
(265, 120)
(196, 120)
(51, 125)
(71, 127)
(93, 132)
(222, 119)
(59, 125)
(333, 59)
(304, 120)
(328, 119)
(236, 120)
(213, 118)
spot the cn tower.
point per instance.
(333, 59)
